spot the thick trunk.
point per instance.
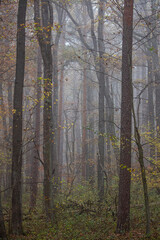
(44, 38)
(17, 122)
(123, 221)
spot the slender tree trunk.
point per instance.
(35, 165)
(60, 122)
(84, 123)
(55, 163)
(143, 173)
(90, 168)
(151, 106)
(123, 221)
(101, 79)
(17, 123)
(144, 181)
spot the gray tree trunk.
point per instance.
(44, 38)
(36, 147)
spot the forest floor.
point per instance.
(82, 217)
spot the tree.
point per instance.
(3, 235)
(44, 39)
(123, 221)
(35, 164)
(17, 122)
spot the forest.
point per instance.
(79, 119)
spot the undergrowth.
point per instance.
(80, 216)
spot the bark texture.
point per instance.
(17, 122)
(123, 221)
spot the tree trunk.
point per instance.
(44, 38)
(101, 79)
(90, 168)
(84, 123)
(3, 235)
(17, 122)
(35, 164)
(60, 122)
(151, 106)
(144, 180)
(123, 221)
(156, 67)
(55, 161)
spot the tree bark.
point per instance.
(44, 39)
(123, 221)
(17, 122)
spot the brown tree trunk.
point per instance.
(17, 123)
(123, 221)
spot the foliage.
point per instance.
(82, 217)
